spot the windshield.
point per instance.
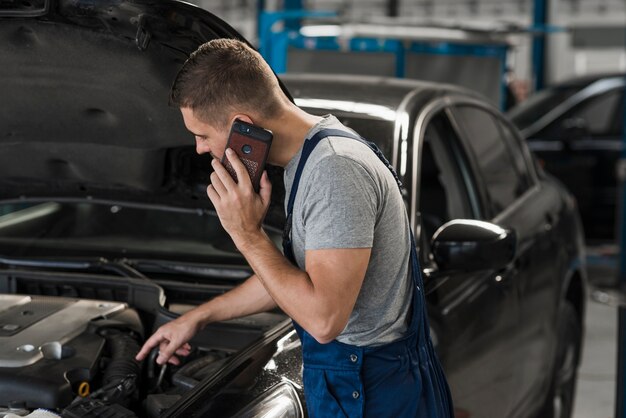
(531, 110)
(53, 229)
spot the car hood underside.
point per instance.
(85, 110)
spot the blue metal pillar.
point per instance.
(273, 45)
(540, 21)
(620, 393)
(293, 5)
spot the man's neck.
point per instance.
(289, 133)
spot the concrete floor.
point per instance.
(595, 392)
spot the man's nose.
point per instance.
(201, 147)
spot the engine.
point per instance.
(56, 352)
(75, 357)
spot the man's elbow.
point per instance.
(324, 339)
(326, 333)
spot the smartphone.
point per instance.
(252, 144)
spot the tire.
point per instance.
(560, 400)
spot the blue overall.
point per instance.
(400, 379)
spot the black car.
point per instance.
(576, 128)
(106, 231)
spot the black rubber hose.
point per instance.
(186, 376)
(122, 348)
(184, 382)
(193, 367)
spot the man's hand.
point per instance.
(171, 339)
(240, 209)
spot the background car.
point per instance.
(106, 231)
(576, 129)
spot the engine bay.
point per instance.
(74, 356)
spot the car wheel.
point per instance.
(560, 400)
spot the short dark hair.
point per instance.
(225, 75)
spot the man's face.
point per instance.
(208, 139)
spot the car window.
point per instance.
(446, 188)
(600, 112)
(600, 115)
(531, 110)
(517, 153)
(494, 158)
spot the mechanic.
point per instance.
(349, 279)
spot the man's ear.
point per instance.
(242, 117)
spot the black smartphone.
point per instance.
(252, 144)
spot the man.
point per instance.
(351, 281)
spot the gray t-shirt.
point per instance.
(347, 198)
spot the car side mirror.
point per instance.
(470, 245)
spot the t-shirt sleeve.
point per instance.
(340, 206)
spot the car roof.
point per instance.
(582, 81)
(344, 90)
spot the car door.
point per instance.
(516, 199)
(581, 148)
(473, 314)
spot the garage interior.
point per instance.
(525, 45)
(556, 70)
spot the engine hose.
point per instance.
(185, 377)
(122, 348)
(184, 382)
(193, 367)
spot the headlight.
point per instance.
(279, 402)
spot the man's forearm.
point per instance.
(290, 287)
(246, 299)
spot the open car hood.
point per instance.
(85, 87)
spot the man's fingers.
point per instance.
(163, 357)
(224, 176)
(183, 351)
(150, 343)
(166, 354)
(174, 360)
(169, 338)
(217, 184)
(166, 351)
(143, 352)
(240, 169)
(266, 189)
(213, 196)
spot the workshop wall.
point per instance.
(592, 42)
